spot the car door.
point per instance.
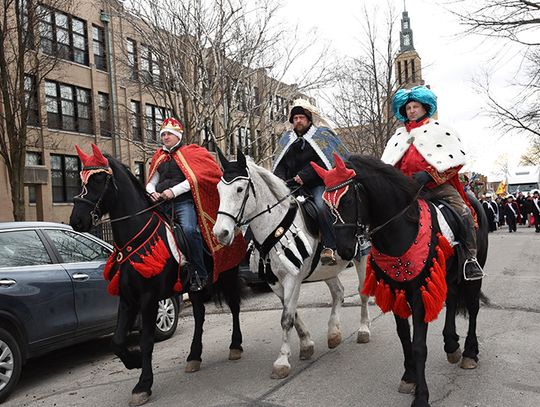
(34, 290)
(84, 259)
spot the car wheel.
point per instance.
(10, 363)
(167, 318)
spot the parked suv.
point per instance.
(52, 294)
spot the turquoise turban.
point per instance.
(419, 94)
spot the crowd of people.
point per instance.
(512, 210)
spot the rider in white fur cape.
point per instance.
(432, 154)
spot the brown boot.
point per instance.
(327, 257)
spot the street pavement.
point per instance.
(350, 375)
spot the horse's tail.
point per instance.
(229, 287)
(461, 308)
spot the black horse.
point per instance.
(379, 197)
(143, 266)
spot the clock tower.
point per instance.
(408, 64)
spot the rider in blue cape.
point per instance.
(296, 149)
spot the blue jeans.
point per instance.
(186, 216)
(327, 229)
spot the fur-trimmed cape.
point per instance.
(440, 146)
(203, 174)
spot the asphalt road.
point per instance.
(350, 375)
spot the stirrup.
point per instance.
(475, 270)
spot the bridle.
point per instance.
(95, 212)
(238, 222)
(361, 230)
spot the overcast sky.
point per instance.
(449, 61)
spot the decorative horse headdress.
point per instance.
(337, 180)
(92, 164)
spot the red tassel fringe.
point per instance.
(114, 285)
(431, 306)
(370, 282)
(153, 262)
(401, 306)
(384, 297)
(108, 266)
(445, 246)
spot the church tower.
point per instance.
(408, 64)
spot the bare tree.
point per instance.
(519, 22)
(365, 84)
(221, 65)
(532, 156)
(26, 58)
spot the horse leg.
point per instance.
(291, 291)
(364, 333)
(143, 389)
(334, 323)
(408, 380)
(307, 346)
(451, 338)
(419, 349)
(126, 317)
(472, 301)
(231, 291)
(194, 358)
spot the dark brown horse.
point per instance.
(406, 239)
(144, 268)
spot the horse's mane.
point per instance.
(383, 182)
(381, 178)
(117, 166)
(277, 185)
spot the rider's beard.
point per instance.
(300, 130)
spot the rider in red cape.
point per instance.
(432, 154)
(190, 179)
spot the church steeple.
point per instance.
(406, 34)
(408, 64)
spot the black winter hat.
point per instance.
(300, 110)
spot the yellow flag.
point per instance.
(501, 190)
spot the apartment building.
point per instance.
(98, 93)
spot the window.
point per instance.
(98, 42)
(104, 115)
(63, 35)
(28, 36)
(65, 179)
(33, 158)
(413, 72)
(139, 171)
(279, 109)
(68, 107)
(406, 71)
(154, 117)
(150, 66)
(30, 97)
(244, 140)
(75, 248)
(132, 59)
(22, 248)
(136, 131)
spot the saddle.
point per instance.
(310, 213)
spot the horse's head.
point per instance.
(97, 191)
(347, 200)
(236, 197)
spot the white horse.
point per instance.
(250, 194)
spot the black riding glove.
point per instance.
(292, 184)
(422, 177)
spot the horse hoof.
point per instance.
(454, 357)
(420, 403)
(280, 372)
(307, 352)
(468, 363)
(334, 340)
(362, 337)
(193, 366)
(235, 354)
(406, 387)
(138, 399)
